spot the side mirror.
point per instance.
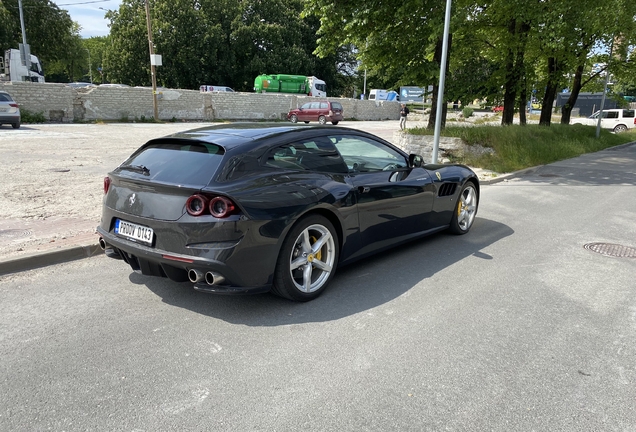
(415, 161)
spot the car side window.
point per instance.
(306, 106)
(610, 114)
(317, 154)
(315, 105)
(323, 105)
(628, 113)
(362, 154)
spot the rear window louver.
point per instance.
(446, 189)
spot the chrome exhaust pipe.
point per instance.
(102, 243)
(195, 275)
(214, 278)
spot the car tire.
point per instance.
(322, 120)
(15, 125)
(293, 118)
(334, 123)
(465, 210)
(302, 271)
(620, 128)
(306, 122)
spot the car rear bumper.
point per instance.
(9, 118)
(150, 261)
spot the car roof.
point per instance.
(249, 135)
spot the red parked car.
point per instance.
(320, 111)
(498, 108)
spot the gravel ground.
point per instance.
(52, 178)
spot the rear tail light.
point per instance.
(218, 206)
(196, 205)
(221, 207)
(106, 184)
(14, 105)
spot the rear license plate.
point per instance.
(134, 232)
(2, 109)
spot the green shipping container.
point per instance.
(281, 84)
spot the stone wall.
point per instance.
(58, 102)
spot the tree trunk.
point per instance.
(566, 111)
(523, 102)
(550, 91)
(514, 70)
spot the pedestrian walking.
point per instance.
(404, 111)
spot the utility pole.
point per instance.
(152, 64)
(26, 52)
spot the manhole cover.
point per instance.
(612, 250)
(14, 233)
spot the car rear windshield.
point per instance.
(336, 106)
(175, 162)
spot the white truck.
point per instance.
(12, 68)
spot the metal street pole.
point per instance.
(607, 74)
(442, 78)
(152, 66)
(26, 52)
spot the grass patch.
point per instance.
(518, 147)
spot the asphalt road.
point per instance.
(513, 327)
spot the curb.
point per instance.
(44, 259)
(507, 176)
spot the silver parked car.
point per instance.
(9, 110)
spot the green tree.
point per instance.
(126, 59)
(399, 40)
(50, 33)
(216, 42)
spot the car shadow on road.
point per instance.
(355, 288)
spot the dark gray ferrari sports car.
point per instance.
(254, 207)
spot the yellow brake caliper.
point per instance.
(318, 255)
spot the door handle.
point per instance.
(363, 189)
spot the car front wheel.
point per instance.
(293, 118)
(307, 260)
(322, 120)
(465, 211)
(16, 125)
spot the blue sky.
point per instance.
(89, 15)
